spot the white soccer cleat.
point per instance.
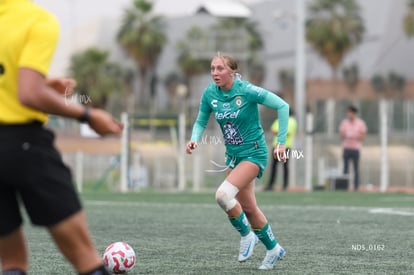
(247, 244)
(272, 256)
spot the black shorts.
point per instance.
(32, 171)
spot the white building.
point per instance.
(94, 23)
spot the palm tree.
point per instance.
(171, 82)
(379, 83)
(408, 23)
(253, 43)
(396, 83)
(390, 86)
(254, 38)
(335, 27)
(190, 64)
(350, 75)
(143, 37)
(97, 78)
(256, 70)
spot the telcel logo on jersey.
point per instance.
(226, 115)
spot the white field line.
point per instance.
(391, 211)
(372, 210)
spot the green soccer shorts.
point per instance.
(259, 158)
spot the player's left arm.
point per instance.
(270, 100)
(273, 101)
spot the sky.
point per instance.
(83, 16)
(169, 7)
(79, 12)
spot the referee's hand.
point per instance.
(103, 123)
(62, 85)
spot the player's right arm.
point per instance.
(199, 125)
(198, 130)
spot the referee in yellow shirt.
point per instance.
(32, 170)
(292, 127)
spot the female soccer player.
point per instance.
(235, 106)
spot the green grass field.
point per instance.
(323, 233)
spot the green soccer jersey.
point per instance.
(236, 111)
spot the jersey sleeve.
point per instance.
(204, 104)
(199, 126)
(274, 102)
(202, 119)
(255, 93)
(40, 44)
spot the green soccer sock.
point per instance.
(241, 224)
(266, 236)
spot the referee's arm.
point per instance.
(33, 92)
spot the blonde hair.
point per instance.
(228, 60)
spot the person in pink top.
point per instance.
(352, 131)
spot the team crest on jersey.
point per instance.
(238, 101)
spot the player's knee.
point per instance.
(226, 194)
(223, 201)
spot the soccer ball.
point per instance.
(119, 257)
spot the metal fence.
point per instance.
(154, 155)
(400, 115)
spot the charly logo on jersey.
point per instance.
(214, 103)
